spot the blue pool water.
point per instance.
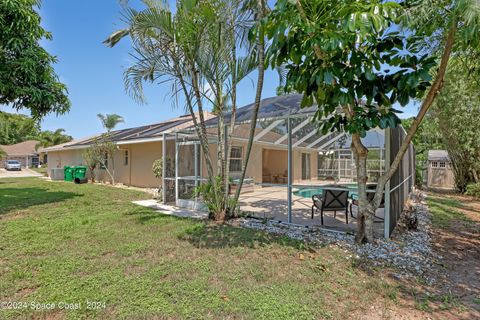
(308, 192)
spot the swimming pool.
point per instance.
(308, 192)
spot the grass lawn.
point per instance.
(61, 242)
(446, 210)
(42, 170)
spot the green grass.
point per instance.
(444, 302)
(42, 170)
(62, 242)
(445, 211)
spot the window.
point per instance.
(236, 159)
(434, 164)
(442, 164)
(125, 158)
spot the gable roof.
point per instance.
(438, 155)
(24, 148)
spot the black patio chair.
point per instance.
(331, 200)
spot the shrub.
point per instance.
(473, 189)
(211, 195)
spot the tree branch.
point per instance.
(432, 94)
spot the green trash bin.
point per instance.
(80, 174)
(68, 173)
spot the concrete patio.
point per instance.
(271, 202)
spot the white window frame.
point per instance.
(434, 164)
(442, 164)
(234, 158)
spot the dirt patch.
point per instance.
(456, 293)
(25, 292)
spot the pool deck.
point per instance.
(271, 202)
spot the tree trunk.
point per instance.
(363, 234)
(198, 128)
(366, 210)
(233, 114)
(258, 94)
(92, 175)
(221, 170)
(426, 104)
(201, 126)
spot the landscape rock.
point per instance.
(408, 251)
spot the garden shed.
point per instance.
(439, 170)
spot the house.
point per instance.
(137, 149)
(25, 152)
(439, 170)
(290, 161)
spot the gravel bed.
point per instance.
(408, 251)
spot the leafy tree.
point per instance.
(92, 160)
(428, 137)
(103, 147)
(27, 78)
(200, 50)
(457, 111)
(346, 57)
(15, 128)
(98, 154)
(52, 138)
(102, 150)
(110, 121)
(157, 169)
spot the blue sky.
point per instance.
(93, 73)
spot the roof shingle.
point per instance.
(24, 148)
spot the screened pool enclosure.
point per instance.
(290, 163)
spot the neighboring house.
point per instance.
(439, 170)
(24, 152)
(137, 149)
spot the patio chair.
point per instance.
(284, 178)
(331, 200)
(370, 196)
(266, 176)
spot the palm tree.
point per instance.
(48, 138)
(110, 121)
(200, 45)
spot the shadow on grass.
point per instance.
(145, 215)
(455, 203)
(22, 198)
(208, 235)
(444, 212)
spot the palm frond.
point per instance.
(115, 37)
